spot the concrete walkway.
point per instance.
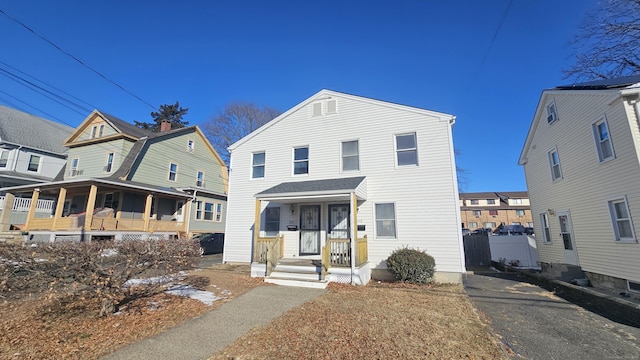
(202, 337)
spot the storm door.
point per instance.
(566, 234)
(339, 221)
(310, 230)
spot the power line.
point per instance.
(74, 58)
(493, 39)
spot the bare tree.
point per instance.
(236, 121)
(608, 43)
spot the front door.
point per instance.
(310, 230)
(566, 234)
(339, 221)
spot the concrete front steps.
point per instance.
(297, 272)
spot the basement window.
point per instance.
(633, 286)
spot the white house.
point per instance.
(340, 174)
(582, 164)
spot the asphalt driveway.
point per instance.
(535, 324)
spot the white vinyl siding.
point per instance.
(587, 185)
(604, 146)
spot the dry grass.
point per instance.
(380, 321)
(30, 331)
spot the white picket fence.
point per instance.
(23, 205)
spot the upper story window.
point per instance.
(200, 179)
(603, 140)
(406, 149)
(552, 114)
(554, 163)
(477, 212)
(520, 212)
(491, 201)
(94, 129)
(622, 226)
(258, 165)
(191, 146)
(516, 201)
(101, 131)
(74, 167)
(4, 158)
(493, 212)
(173, 171)
(301, 160)
(350, 156)
(108, 166)
(475, 202)
(34, 163)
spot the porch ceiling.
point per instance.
(313, 190)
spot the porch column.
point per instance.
(91, 205)
(120, 202)
(354, 231)
(256, 227)
(7, 209)
(32, 207)
(147, 212)
(59, 207)
(186, 215)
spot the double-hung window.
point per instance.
(386, 221)
(257, 165)
(93, 132)
(622, 225)
(34, 163)
(173, 171)
(520, 212)
(109, 163)
(101, 131)
(4, 158)
(208, 211)
(406, 149)
(477, 213)
(603, 140)
(301, 160)
(74, 167)
(544, 223)
(554, 163)
(200, 179)
(198, 210)
(218, 212)
(272, 221)
(552, 114)
(350, 156)
(190, 146)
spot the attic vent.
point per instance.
(325, 107)
(317, 109)
(331, 106)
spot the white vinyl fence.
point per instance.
(517, 250)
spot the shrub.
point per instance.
(412, 265)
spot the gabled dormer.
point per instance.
(101, 127)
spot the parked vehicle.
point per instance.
(512, 230)
(210, 243)
(528, 230)
(466, 232)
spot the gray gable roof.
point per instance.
(325, 185)
(20, 128)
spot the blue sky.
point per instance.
(465, 58)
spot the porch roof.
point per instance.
(338, 188)
(56, 185)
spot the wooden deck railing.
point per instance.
(269, 250)
(362, 251)
(337, 252)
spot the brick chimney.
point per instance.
(165, 125)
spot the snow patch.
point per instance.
(189, 291)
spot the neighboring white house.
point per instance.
(582, 164)
(308, 177)
(31, 149)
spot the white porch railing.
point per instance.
(23, 205)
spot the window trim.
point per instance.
(414, 149)
(614, 220)
(101, 130)
(546, 230)
(37, 170)
(342, 156)
(175, 173)
(293, 156)
(551, 164)
(395, 221)
(254, 165)
(191, 146)
(108, 165)
(552, 104)
(598, 143)
(6, 160)
(73, 171)
(218, 212)
(199, 211)
(94, 130)
(199, 179)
